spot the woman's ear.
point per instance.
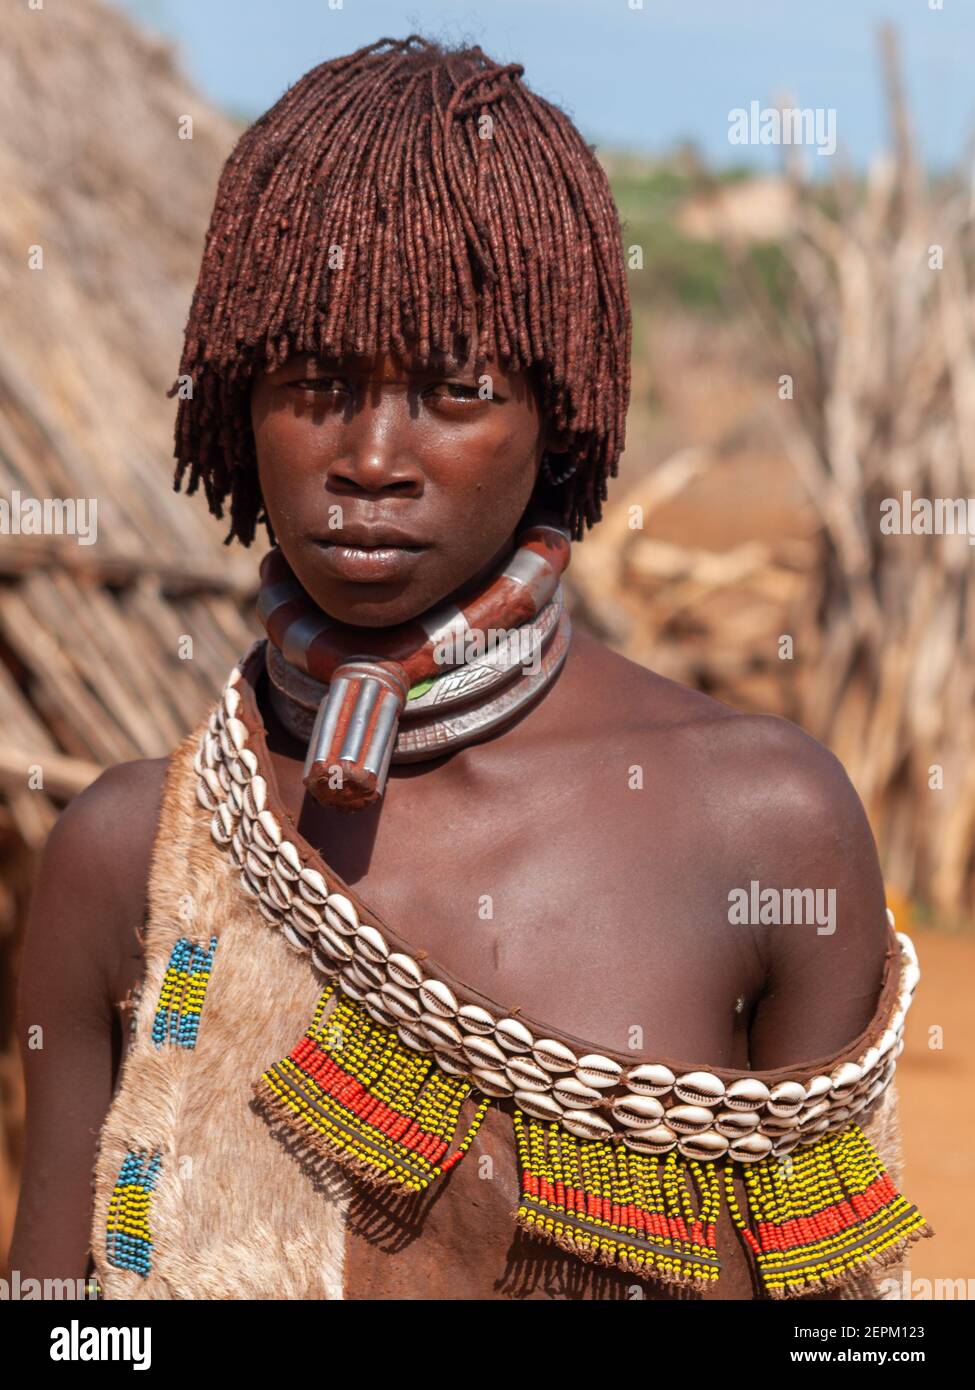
(555, 441)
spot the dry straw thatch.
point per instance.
(96, 176)
(93, 172)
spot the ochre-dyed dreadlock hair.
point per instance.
(468, 213)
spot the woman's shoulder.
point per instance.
(109, 828)
(115, 816)
(777, 752)
(764, 831)
(96, 864)
(770, 802)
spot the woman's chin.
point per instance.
(373, 604)
(381, 587)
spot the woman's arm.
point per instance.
(88, 901)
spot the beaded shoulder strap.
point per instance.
(624, 1160)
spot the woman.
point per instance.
(439, 887)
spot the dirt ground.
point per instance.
(935, 1081)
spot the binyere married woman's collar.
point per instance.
(367, 697)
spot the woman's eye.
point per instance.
(320, 385)
(454, 391)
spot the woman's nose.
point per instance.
(377, 452)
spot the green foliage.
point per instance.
(678, 269)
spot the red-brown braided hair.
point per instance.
(443, 233)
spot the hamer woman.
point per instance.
(438, 993)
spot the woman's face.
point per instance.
(390, 486)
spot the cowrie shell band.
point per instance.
(651, 1106)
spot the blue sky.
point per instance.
(641, 78)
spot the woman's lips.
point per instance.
(368, 565)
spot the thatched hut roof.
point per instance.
(97, 174)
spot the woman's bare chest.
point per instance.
(575, 911)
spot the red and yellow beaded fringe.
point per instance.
(353, 1091)
(812, 1219)
(609, 1205)
(822, 1214)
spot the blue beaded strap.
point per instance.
(128, 1242)
(184, 985)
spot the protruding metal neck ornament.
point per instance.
(452, 676)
